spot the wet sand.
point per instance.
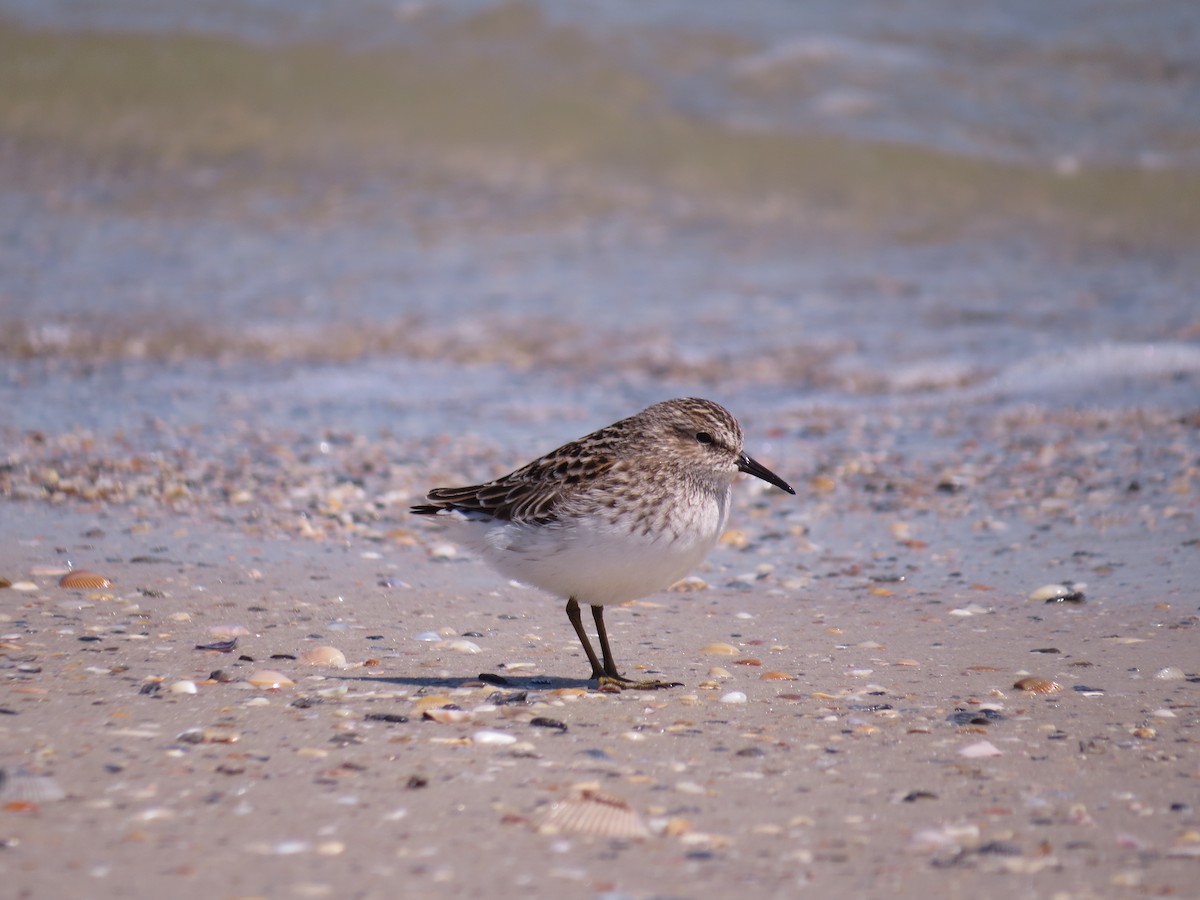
(849, 720)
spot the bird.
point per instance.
(611, 517)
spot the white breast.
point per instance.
(597, 561)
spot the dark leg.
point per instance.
(612, 678)
(610, 664)
(573, 614)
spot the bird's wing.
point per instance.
(534, 493)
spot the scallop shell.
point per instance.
(324, 656)
(1037, 685)
(595, 813)
(85, 580)
(19, 785)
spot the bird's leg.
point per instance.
(611, 677)
(577, 623)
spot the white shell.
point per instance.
(493, 737)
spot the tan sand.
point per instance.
(880, 747)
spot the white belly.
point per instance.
(594, 561)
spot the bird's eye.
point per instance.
(704, 437)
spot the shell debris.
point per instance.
(1065, 592)
(82, 579)
(593, 812)
(269, 679)
(324, 656)
(19, 785)
(1037, 685)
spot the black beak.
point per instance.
(750, 466)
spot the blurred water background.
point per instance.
(463, 216)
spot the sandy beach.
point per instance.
(849, 722)
(270, 271)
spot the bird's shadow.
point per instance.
(503, 682)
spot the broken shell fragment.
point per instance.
(980, 750)
(81, 579)
(1037, 685)
(595, 813)
(19, 785)
(447, 716)
(1066, 592)
(323, 656)
(493, 737)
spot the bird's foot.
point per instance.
(615, 683)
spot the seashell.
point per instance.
(24, 586)
(183, 687)
(19, 785)
(749, 661)
(493, 737)
(5, 583)
(269, 679)
(979, 750)
(81, 579)
(1037, 685)
(595, 813)
(1170, 673)
(719, 649)
(777, 676)
(447, 716)
(323, 656)
(733, 697)
(443, 552)
(1066, 592)
(689, 585)
(463, 646)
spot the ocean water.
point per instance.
(466, 217)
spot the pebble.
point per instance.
(733, 697)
